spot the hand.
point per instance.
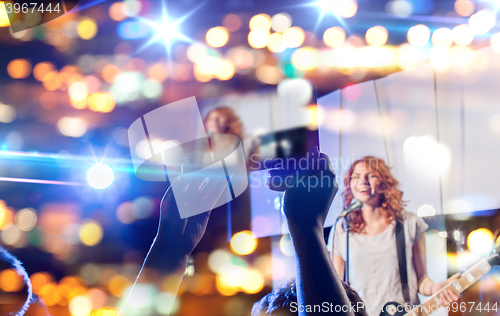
(309, 191)
(447, 296)
(183, 234)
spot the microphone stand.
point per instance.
(348, 229)
(356, 204)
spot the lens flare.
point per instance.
(167, 30)
(100, 176)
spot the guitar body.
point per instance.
(393, 309)
(467, 278)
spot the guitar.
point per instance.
(467, 278)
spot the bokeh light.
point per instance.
(218, 259)
(125, 212)
(463, 35)
(316, 116)
(32, 18)
(26, 219)
(442, 37)
(269, 74)
(39, 280)
(4, 18)
(78, 91)
(72, 126)
(100, 176)
(495, 42)
(418, 35)
(286, 246)
(6, 215)
(258, 38)
(281, 21)
(166, 303)
(141, 300)
(106, 311)
(51, 81)
(376, 36)
(110, 72)
(464, 7)
(400, 8)
(305, 58)
(117, 285)
(80, 306)
(10, 281)
(414, 149)
(480, 241)
(151, 89)
(232, 22)
(293, 37)
(243, 243)
(19, 68)
(158, 72)
(482, 21)
(254, 282)
(41, 69)
(260, 21)
(217, 36)
(7, 113)
(13, 236)
(87, 28)
(426, 210)
(334, 36)
(225, 70)
(50, 294)
(117, 11)
(143, 207)
(101, 102)
(276, 43)
(91, 233)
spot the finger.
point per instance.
(452, 296)
(442, 300)
(454, 277)
(447, 296)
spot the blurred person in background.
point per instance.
(373, 236)
(222, 121)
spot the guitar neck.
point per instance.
(467, 278)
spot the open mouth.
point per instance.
(364, 191)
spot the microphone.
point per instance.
(355, 205)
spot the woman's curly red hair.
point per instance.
(392, 202)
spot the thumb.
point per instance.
(454, 277)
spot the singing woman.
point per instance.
(373, 258)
